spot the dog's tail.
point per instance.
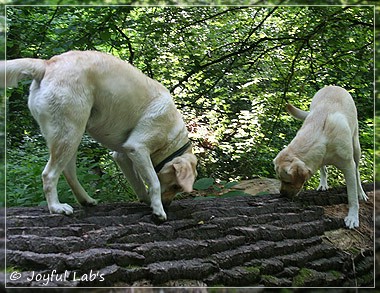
(12, 71)
(296, 113)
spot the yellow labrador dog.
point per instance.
(118, 106)
(328, 136)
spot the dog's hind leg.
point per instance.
(60, 150)
(357, 153)
(323, 179)
(62, 135)
(71, 177)
(362, 194)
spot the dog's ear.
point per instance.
(185, 175)
(303, 172)
(299, 172)
(185, 171)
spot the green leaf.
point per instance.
(203, 183)
(230, 184)
(262, 193)
(234, 193)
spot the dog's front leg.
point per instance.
(352, 219)
(140, 157)
(126, 165)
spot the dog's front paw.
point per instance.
(61, 208)
(158, 210)
(352, 221)
(162, 217)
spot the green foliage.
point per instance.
(24, 184)
(203, 183)
(377, 151)
(231, 70)
(303, 276)
(207, 187)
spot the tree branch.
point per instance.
(47, 26)
(210, 17)
(130, 48)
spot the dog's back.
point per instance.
(95, 83)
(331, 99)
(332, 110)
(102, 72)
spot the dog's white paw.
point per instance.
(61, 208)
(363, 196)
(323, 187)
(158, 209)
(161, 216)
(352, 221)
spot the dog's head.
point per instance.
(176, 176)
(292, 172)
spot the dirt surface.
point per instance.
(243, 241)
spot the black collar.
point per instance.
(172, 156)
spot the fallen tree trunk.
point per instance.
(253, 241)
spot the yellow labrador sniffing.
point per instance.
(328, 136)
(118, 106)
